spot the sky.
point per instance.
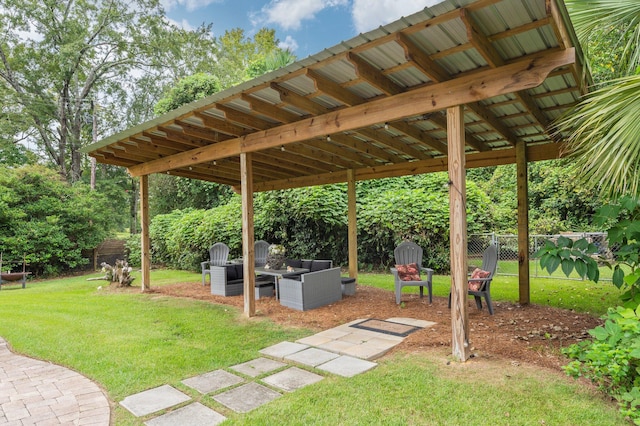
(305, 26)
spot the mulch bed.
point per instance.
(530, 334)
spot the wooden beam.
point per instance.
(394, 143)
(220, 125)
(248, 253)
(458, 234)
(470, 139)
(333, 89)
(292, 98)
(145, 245)
(519, 75)
(421, 60)
(488, 117)
(373, 76)
(419, 135)
(334, 147)
(243, 118)
(204, 133)
(523, 224)
(352, 224)
(582, 78)
(473, 160)
(366, 147)
(270, 110)
(178, 136)
(478, 40)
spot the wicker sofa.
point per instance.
(311, 290)
(228, 280)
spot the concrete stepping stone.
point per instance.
(194, 414)
(312, 357)
(347, 366)
(292, 379)
(258, 366)
(153, 400)
(246, 397)
(282, 349)
(212, 381)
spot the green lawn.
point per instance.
(581, 296)
(129, 342)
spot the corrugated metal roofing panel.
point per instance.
(446, 39)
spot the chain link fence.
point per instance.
(508, 251)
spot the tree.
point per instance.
(603, 130)
(274, 60)
(48, 221)
(80, 50)
(238, 53)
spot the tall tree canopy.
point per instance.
(57, 56)
(604, 128)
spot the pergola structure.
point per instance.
(465, 83)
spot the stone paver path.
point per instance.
(34, 392)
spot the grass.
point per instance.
(129, 342)
(581, 296)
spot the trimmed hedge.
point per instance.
(312, 223)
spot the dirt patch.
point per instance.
(531, 334)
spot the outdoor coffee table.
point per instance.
(280, 273)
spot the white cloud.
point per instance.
(184, 24)
(370, 14)
(190, 5)
(289, 14)
(288, 43)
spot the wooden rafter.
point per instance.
(516, 76)
(373, 76)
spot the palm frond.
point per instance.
(603, 137)
(589, 16)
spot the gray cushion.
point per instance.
(239, 270)
(306, 264)
(294, 263)
(231, 272)
(319, 265)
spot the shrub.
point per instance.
(612, 359)
(49, 221)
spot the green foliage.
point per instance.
(238, 52)
(623, 239)
(570, 255)
(48, 221)
(602, 131)
(415, 209)
(612, 359)
(276, 59)
(311, 222)
(188, 89)
(168, 193)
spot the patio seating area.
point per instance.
(301, 284)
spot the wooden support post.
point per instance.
(248, 250)
(523, 223)
(352, 223)
(458, 233)
(145, 247)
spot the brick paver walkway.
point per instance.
(34, 392)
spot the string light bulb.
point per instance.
(386, 126)
(282, 148)
(328, 138)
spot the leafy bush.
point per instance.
(623, 239)
(48, 221)
(311, 222)
(417, 211)
(612, 359)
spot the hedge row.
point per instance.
(312, 223)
